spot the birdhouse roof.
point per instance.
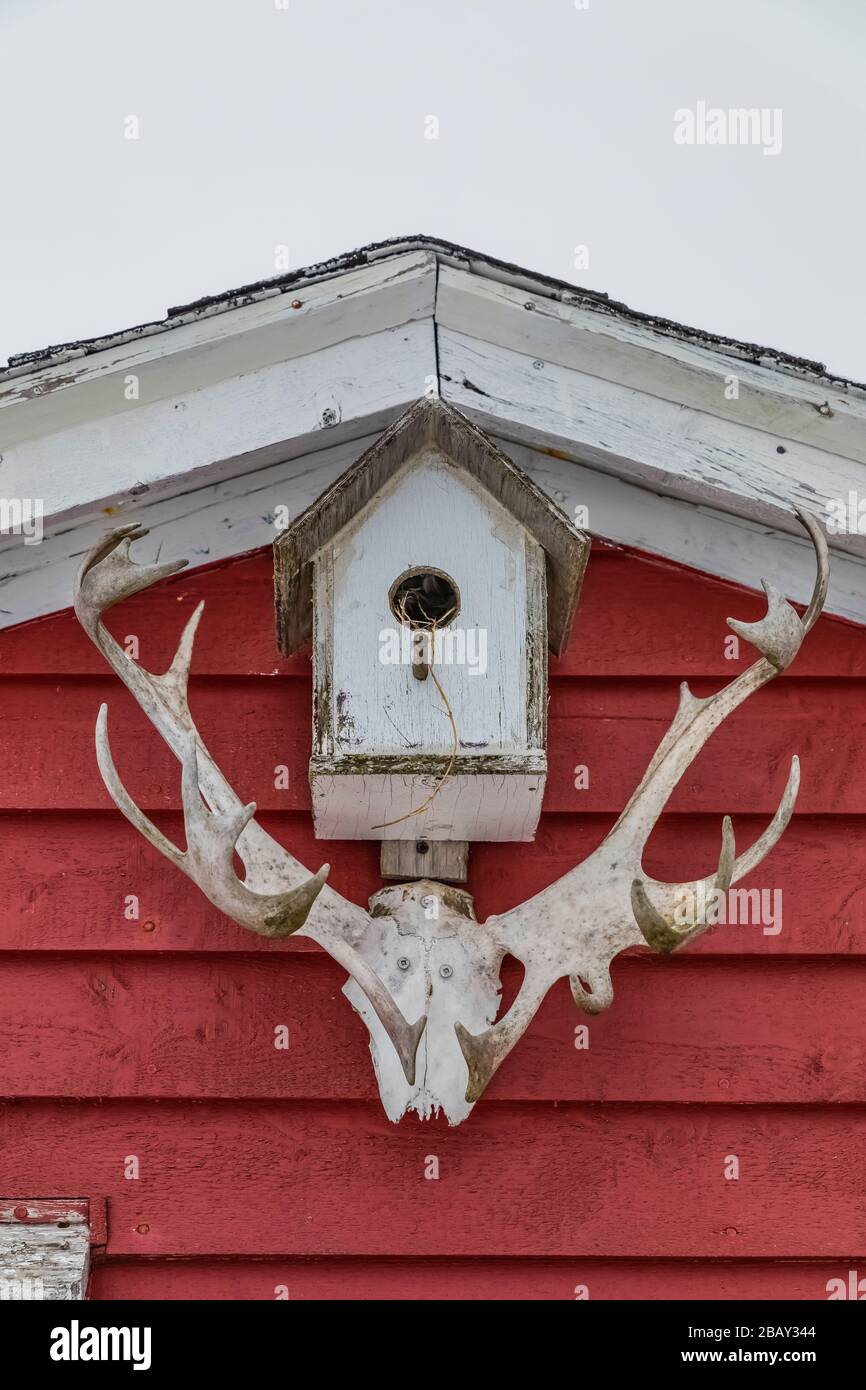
(428, 422)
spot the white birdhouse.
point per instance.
(432, 575)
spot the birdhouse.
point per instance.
(432, 577)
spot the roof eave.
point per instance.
(449, 253)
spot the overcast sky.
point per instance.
(307, 127)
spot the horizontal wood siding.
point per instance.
(525, 1179)
(599, 1167)
(477, 1278)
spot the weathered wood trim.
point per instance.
(226, 518)
(683, 453)
(44, 1249)
(712, 541)
(827, 414)
(241, 385)
(232, 392)
(236, 426)
(236, 515)
(536, 639)
(430, 764)
(211, 349)
(353, 803)
(320, 572)
(444, 861)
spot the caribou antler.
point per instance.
(577, 925)
(277, 897)
(574, 928)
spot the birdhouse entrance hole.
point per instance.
(424, 598)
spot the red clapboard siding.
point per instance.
(680, 1031)
(601, 1167)
(613, 728)
(670, 621)
(267, 1178)
(67, 876)
(463, 1280)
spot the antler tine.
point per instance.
(108, 575)
(484, 1052)
(261, 902)
(662, 934)
(691, 899)
(822, 581)
(591, 989)
(211, 842)
(124, 802)
(752, 857)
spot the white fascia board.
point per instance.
(259, 406)
(828, 414)
(712, 541)
(265, 375)
(668, 447)
(236, 389)
(236, 425)
(202, 525)
(207, 348)
(236, 515)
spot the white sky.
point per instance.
(305, 127)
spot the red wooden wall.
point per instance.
(601, 1168)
